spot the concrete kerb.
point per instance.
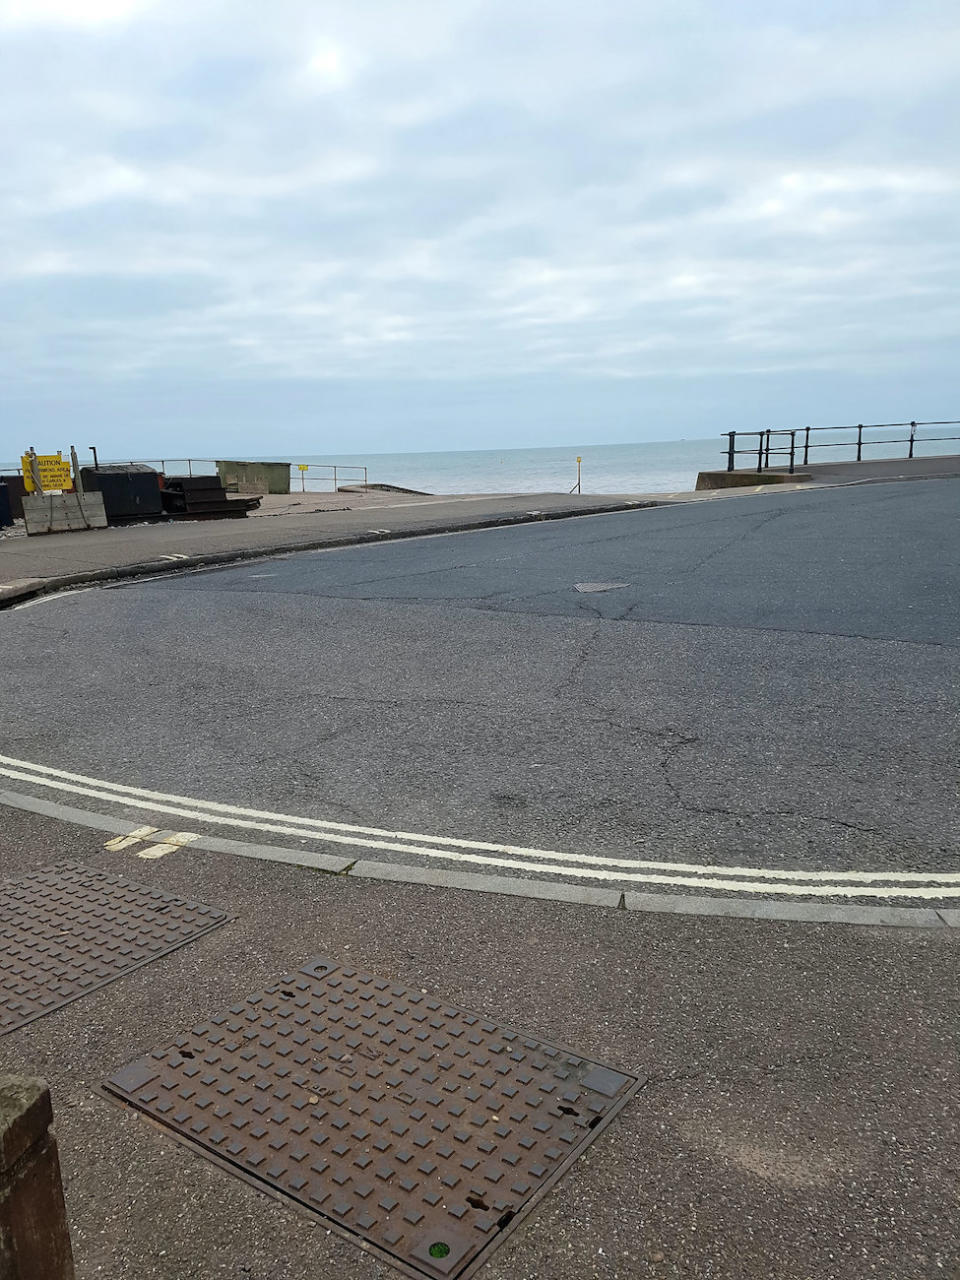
(758, 909)
(30, 589)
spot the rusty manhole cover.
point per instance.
(420, 1128)
(69, 929)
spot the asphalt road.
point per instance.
(775, 686)
(772, 684)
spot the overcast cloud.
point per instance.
(382, 225)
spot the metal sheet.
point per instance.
(423, 1129)
(68, 929)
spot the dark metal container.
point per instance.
(131, 491)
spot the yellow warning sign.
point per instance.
(54, 471)
(303, 466)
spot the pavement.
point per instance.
(310, 520)
(799, 1118)
(873, 470)
(32, 566)
(653, 716)
(285, 522)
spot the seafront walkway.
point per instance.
(298, 521)
(303, 521)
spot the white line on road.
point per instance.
(820, 883)
(170, 845)
(321, 827)
(135, 837)
(50, 598)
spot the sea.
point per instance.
(664, 466)
(660, 466)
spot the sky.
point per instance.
(331, 227)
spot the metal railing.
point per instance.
(178, 466)
(780, 442)
(332, 471)
(170, 466)
(335, 473)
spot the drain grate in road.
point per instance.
(424, 1130)
(68, 929)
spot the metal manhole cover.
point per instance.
(68, 929)
(420, 1128)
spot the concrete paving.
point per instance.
(871, 470)
(37, 565)
(29, 566)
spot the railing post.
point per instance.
(189, 466)
(913, 432)
(34, 1239)
(731, 436)
(793, 450)
(768, 448)
(859, 441)
(760, 452)
(806, 446)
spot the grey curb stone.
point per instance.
(581, 894)
(678, 904)
(765, 909)
(65, 813)
(274, 853)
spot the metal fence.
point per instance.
(794, 445)
(329, 471)
(322, 476)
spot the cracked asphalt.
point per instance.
(776, 685)
(800, 1115)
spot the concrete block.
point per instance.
(63, 512)
(744, 479)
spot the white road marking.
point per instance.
(124, 842)
(322, 828)
(170, 845)
(175, 841)
(715, 877)
(50, 598)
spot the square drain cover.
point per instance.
(69, 929)
(420, 1128)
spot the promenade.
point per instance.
(301, 521)
(30, 566)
